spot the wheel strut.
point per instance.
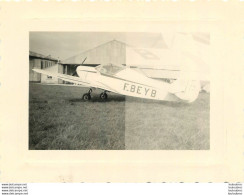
(87, 96)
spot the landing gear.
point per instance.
(103, 95)
(87, 96)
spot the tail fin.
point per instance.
(186, 90)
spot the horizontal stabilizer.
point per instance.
(186, 90)
(175, 74)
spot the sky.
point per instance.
(63, 45)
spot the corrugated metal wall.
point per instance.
(42, 64)
(111, 52)
(33, 76)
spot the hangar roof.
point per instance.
(40, 56)
(109, 52)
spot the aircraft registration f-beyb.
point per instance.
(127, 81)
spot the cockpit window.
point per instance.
(110, 69)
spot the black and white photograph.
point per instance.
(119, 90)
(124, 92)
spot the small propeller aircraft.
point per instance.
(127, 81)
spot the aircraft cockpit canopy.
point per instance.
(110, 69)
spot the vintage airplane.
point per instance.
(127, 81)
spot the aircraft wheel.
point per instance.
(86, 97)
(103, 96)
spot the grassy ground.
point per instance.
(167, 125)
(59, 119)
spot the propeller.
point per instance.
(83, 61)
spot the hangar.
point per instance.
(40, 61)
(49, 63)
(110, 52)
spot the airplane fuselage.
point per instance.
(127, 82)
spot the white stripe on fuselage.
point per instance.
(86, 69)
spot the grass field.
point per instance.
(60, 120)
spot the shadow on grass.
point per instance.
(132, 100)
(97, 99)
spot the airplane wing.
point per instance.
(173, 74)
(76, 80)
(64, 77)
(164, 63)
